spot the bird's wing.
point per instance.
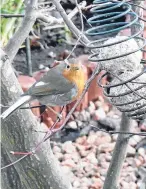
(50, 85)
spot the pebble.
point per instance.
(110, 122)
(134, 140)
(99, 114)
(76, 184)
(79, 123)
(81, 140)
(130, 151)
(97, 183)
(84, 116)
(91, 108)
(92, 158)
(56, 149)
(105, 138)
(107, 147)
(72, 125)
(142, 152)
(68, 163)
(68, 147)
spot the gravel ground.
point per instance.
(85, 157)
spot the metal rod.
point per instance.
(11, 15)
(28, 56)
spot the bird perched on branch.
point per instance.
(61, 85)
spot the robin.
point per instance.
(60, 86)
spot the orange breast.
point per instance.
(77, 77)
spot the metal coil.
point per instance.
(127, 90)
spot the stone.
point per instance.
(76, 184)
(92, 158)
(107, 147)
(68, 147)
(84, 153)
(108, 157)
(130, 151)
(92, 139)
(130, 161)
(56, 149)
(103, 172)
(142, 152)
(110, 123)
(67, 156)
(68, 163)
(98, 104)
(91, 107)
(76, 157)
(72, 125)
(138, 162)
(97, 183)
(134, 140)
(99, 114)
(85, 181)
(105, 138)
(79, 123)
(105, 165)
(81, 140)
(84, 116)
(59, 156)
(76, 114)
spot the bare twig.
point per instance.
(60, 22)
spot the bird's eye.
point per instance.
(68, 66)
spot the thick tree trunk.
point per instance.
(39, 171)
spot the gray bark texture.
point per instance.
(39, 171)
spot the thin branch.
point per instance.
(49, 19)
(60, 22)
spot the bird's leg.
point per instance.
(58, 114)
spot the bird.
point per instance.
(60, 86)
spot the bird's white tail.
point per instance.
(16, 105)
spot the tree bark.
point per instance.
(38, 171)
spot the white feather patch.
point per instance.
(41, 83)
